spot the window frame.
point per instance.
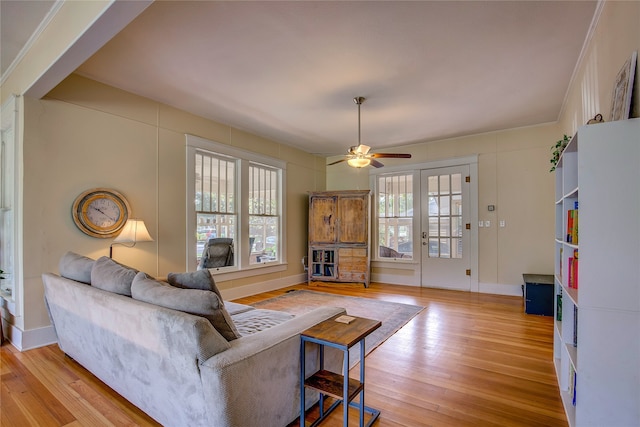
(415, 177)
(11, 204)
(243, 159)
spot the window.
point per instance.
(264, 213)
(10, 170)
(216, 215)
(238, 199)
(395, 216)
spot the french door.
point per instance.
(445, 228)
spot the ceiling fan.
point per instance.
(359, 156)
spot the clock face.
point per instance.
(100, 212)
(103, 212)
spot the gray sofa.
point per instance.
(173, 364)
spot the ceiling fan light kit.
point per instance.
(358, 162)
(359, 156)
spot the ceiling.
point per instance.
(289, 70)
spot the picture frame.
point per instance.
(622, 91)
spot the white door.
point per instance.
(445, 227)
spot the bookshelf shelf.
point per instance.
(597, 176)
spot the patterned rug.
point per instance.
(393, 315)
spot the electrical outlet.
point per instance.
(480, 224)
(487, 223)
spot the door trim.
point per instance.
(472, 161)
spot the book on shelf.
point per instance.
(572, 384)
(572, 226)
(561, 251)
(572, 279)
(559, 307)
(575, 326)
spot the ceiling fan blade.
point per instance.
(390, 155)
(375, 163)
(337, 161)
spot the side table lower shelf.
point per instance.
(339, 386)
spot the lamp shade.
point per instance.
(358, 162)
(133, 231)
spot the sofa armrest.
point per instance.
(257, 381)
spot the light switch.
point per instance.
(487, 223)
(480, 224)
(502, 223)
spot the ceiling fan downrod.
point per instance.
(359, 100)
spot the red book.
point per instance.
(569, 225)
(574, 272)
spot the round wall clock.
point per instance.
(100, 212)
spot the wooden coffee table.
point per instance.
(342, 336)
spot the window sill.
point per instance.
(254, 270)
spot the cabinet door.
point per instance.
(322, 219)
(354, 219)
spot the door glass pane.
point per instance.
(444, 205)
(456, 183)
(433, 248)
(433, 185)
(445, 248)
(445, 224)
(433, 226)
(457, 253)
(456, 204)
(433, 206)
(444, 184)
(456, 226)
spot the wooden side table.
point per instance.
(342, 336)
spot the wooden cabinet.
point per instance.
(339, 229)
(597, 314)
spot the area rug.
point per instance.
(393, 315)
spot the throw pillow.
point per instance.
(193, 301)
(112, 276)
(76, 267)
(200, 279)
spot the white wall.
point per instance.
(85, 135)
(513, 169)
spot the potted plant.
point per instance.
(556, 151)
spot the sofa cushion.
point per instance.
(250, 322)
(234, 308)
(112, 276)
(200, 279)
(193, 301)
(76, 267)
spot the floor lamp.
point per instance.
(134, 231)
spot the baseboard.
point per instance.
(32, 338)
(485, 288)
(500, 289)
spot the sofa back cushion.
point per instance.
(76, 267)
(200, 279)
(193, 301)
(111, 276)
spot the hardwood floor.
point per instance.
(466, 360)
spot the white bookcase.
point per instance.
(600, 169)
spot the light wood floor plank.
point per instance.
(466, 360)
